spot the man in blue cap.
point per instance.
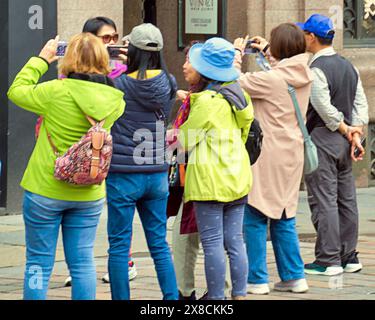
(337, 112)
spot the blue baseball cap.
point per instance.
(214, 59)
(319, 25)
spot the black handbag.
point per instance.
(254, 142)
(176, 187)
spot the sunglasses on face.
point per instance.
(107, 38)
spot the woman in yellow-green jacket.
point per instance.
(218, 177)
(49, 203)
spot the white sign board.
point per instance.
(201, 16)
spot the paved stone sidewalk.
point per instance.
(359, 286)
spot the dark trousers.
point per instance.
(332, 199)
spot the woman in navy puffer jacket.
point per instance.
(139, 172)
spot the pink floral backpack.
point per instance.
(87, 162)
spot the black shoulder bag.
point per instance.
(254, 142)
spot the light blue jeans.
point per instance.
(78, 220)
(148, 192)
(220, 227)
(285, 245)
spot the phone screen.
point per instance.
(114, 51)
(61, 48)
(249, 49)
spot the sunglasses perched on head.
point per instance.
(107, 38)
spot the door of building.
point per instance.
(3, 99)
(150, 12)
(26, 26)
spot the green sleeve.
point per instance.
(25, 91)
(194, 130)
(245, 132)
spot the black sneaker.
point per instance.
(192, 297)
(352, 265)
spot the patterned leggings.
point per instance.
(221, 229)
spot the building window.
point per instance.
(200, 20)
(359, 23)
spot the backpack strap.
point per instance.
(54, 148)
(94, 123)
(97, 144)
(97, 140)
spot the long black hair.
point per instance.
(142, 60)
(95, 24)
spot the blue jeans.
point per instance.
(220, 227)
(149, 194)
(79, 221)
(285, 245)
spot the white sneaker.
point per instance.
(295, 286)
(132, 274)
(353, 267)
(68, 282)
(105, 278)
(258, 289)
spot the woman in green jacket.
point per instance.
(49, 203)
(218, 176)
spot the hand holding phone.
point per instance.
(249, 49)
(48, 52)
(358, 151)
(116, 51)
(256, 44)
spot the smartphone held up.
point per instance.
(114, 51)
(61, 48)
(249, 49)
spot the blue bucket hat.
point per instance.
(319, 25)
(214, 59)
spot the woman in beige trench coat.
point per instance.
(278, 171)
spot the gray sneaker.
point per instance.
(295, 286)
(258, 289)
